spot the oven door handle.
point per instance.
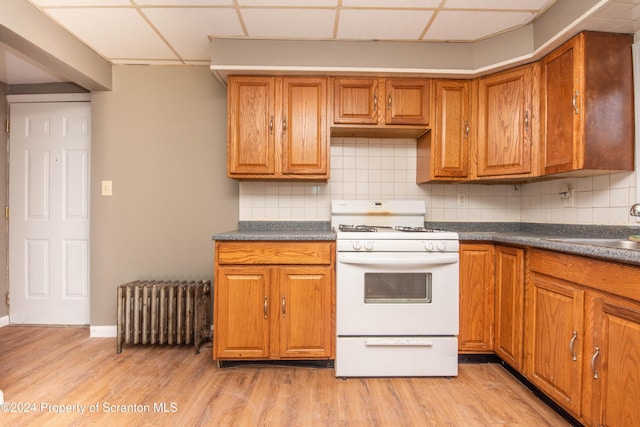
(395, 342)
(368, 259)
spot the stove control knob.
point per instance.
(429, 246)
(368, 245)
(356, 245)
(442, 246)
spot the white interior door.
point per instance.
(49, 213)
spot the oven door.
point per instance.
(397, 294)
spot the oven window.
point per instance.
(397, 288)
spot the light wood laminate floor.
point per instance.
(51, 370)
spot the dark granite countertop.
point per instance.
(549, 236)
(543, 236)
(279, 230)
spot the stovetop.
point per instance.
(362, 228)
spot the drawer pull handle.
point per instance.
(575, 103)
(573, 340)
(284, 307)
(593, 362)
(466, 128)
(375, 102)
(526, 120)
(389, 101)
(266, 307)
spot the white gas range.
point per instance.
(396, 291)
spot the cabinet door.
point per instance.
(241, 324)
(504, 123)
(555, 338)
(509, 305)
(356, 101)
(450, 133)
(476, 298)
(615, 365)
(407, 101)
(304, 126)
(562, 105)
(305, 315)
(251, 125)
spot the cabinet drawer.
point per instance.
(268, 252)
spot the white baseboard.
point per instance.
(103, 331)
(4, 321)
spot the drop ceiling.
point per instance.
(164, 32)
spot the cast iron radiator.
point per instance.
(163, 312)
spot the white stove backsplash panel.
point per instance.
(372, 168)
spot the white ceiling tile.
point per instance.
(291, 3)
(499, 4)
(191, 41)
(184, 3)
(383, 24)
(616, 11)
(397, 4)
(464, 26)
(83, 3)
(114, 32)
(289, 23)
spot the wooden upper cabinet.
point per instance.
(507, 122)
(450, 135)
(384, 107)
(587, 105)
(355, 101)
(251, 122)
(277, 128)
(305, 137)
(407, 101)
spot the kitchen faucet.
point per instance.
(635, 210)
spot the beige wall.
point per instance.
(160, 136)
(3, 201)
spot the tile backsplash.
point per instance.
(372, 168)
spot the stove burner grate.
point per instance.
(357, 228)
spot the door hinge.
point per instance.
(6, 212)
(7, 126)
(7, 298)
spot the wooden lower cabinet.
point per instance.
(596, 376)
(554, 338)
(476, 298)
(267, 306)
(612, 361)
(509, 305)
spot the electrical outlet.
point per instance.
(107, 189)
(462, 199)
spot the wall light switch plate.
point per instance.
(107, 189)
